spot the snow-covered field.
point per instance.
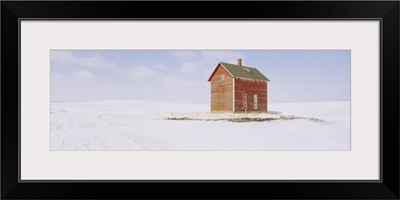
(157, 125)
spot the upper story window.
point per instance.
(222, 77)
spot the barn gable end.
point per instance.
(221, 90)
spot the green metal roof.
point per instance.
(244, 71)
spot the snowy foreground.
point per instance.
(153, 125)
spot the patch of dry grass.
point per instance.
(248, 119)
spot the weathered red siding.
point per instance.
(250, 87)
(221, 91)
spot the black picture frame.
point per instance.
(385, 11)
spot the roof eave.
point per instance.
(254, 79)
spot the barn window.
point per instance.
(222, 77)
(255, 102)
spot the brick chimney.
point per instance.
(239, 62)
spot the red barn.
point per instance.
(237, 88)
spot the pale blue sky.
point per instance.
(296, 75)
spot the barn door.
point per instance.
(245, 101)
(255, 102)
